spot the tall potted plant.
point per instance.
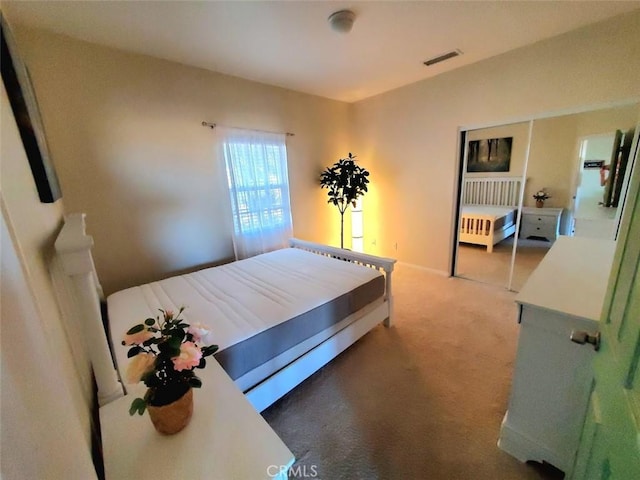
(346, 182)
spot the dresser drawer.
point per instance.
(548, 232)
(543, 223)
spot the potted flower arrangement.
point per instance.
(164, 352)
(540, 196)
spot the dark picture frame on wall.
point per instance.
(17, 84)
(489, 155)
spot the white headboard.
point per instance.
(79, 294)
(500, 191)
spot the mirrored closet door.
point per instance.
(492, 175)
(523, 184)
(566, 156)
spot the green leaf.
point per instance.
(135, 329)
(133, 351)
(166, 348)
(195, 382)
(176, 338)
(150, 321)
(202, 364)
(209, 350)
(138, 405)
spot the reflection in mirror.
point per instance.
(599, 186)
(490, 193)
(566, 192)
(565, 158)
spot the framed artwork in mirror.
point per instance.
(489, 155)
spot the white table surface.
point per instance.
(550, 211)
(226, 438)
(569, 279)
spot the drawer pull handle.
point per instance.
(581, 337)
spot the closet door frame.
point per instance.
(463, 134)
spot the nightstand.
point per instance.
(540, 223)
(226, 438)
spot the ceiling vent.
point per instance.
(443, 57)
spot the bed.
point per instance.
(488, 213)
(277, 317)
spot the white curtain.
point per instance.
(259, 189)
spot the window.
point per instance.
(256, 164)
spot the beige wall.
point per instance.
(409, 136)
(126, 140)
(46, 389)
(551, 161)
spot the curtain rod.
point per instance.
(214, 125)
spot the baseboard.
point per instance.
(424, 269)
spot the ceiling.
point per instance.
(290, 44)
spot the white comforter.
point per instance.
(240, 299)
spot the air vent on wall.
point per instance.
(443, 57)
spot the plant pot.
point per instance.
(171, 418)
(539, 203)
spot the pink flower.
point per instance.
(139, 365)
(137, 338)
(168, 314)
(189, 357)
(200, 332)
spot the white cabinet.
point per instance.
(540, 222)
(552, 375)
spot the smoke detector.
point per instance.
(342, 20)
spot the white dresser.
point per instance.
(552, 375)
(540, 222)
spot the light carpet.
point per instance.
(475, 263)
(423, 399)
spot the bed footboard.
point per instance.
(371, 261)
(477, 229)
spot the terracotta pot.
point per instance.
(171, 418)
(539, 203)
